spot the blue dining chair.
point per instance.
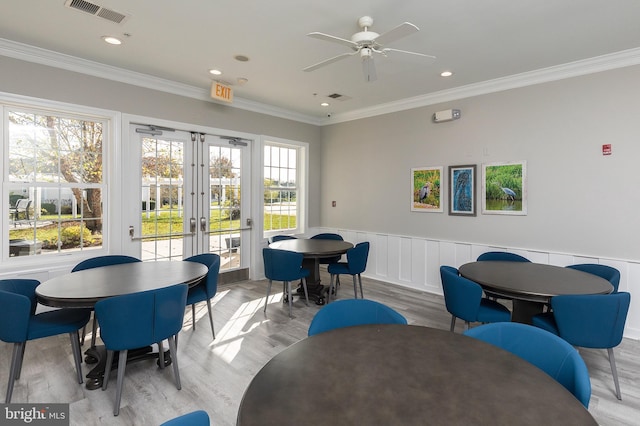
(196, 418)
(545, 350)
(276, 238)
(96, 262)
(603, 271)
(463, 299)
(356, 264)
(589, 321)
(285, 266)
(502, 256)
(328, 236)
(351, 312)
(19, 323)
(137, 320)
(206, 289)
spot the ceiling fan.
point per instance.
(366, 43)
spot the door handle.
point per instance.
(192, 225)
(203, 224)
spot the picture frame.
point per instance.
(426, 195)
(504, 188)
(462, 190)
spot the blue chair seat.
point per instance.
(285, 266)
(56, 322)
(352, 312)
(356, 264)
(492, 311)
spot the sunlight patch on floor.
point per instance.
(202, 310)
(229, 339)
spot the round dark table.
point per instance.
(532, 285)
(404, 375)
(313, 250)
(82, 289)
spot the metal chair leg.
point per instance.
(360, 281)
(173, 348)
(213, 332)
(614, 371)
(15, 362)
(161, 355)
(107, 370)
(355, 288)
(453, 323)
(266, 300)
(306, 293)
(193, 316)
(122, 365)
(77, 356)
(290, 297)
(330, 292)
(20, 360)
(94, 332)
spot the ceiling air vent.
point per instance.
(96, 10)
(338, 97)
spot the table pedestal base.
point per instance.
(524, 310)
(98, 355)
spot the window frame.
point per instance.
(110, 177)
(302, 173)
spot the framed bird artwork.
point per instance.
(504, 188)
(462, 190)
(425, 189)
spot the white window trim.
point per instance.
(112, 160)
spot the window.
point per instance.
(53, 180)
(283, 189)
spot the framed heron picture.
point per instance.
(504, 188)
(462, 190)
(425, 189)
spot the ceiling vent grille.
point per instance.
(96, 10)
(338, 97)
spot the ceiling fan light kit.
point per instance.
(367, 43)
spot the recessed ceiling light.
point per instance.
(215, 72)
(242, 80)
(112, 40)
(446, 74)
(241, 58)
(324, 104)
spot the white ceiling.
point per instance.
(480, 41)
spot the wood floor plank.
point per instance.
(215, 374)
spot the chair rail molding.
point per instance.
(414, 262)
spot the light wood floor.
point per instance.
(215, 373)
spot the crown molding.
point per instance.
(607, 62)
(50, 58)
(597, 64)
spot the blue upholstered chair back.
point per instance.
(17, 305)
(196, 418)
(603, 271)
(211, 261)
(591, 320)
(357, 258)
(502, 256)
(350, 312)
(328, 236)
(461, 296)
(141, 319)
(281, 238)
(545, 350)
(283, 265)
(110, 259)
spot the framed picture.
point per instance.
(504, 188)
(425, 189)
(462, 190)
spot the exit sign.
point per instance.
(221, 92)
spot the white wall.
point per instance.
(579, 201)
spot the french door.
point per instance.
(192, 195)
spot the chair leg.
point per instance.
(467, 324)
(107, 370)
(84, 334)
(355, 288)
(289, 297)
(161, 355)
(20, 360)
(122, 364)
(330, 292)
(15, 362)
(77, 356)
(94, 332)
(304, 287)
(174, 360)
(453, 323)
(266, 300)
(614, 371)
(213, 332)
(193, 316)
(360, 282)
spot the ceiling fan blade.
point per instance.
(369, 69)
(388, 49)
(328, 61)
(397, 33)
(334, 39)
